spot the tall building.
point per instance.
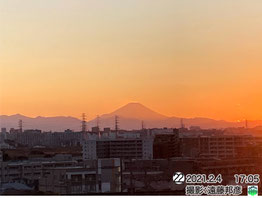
(220, 146)
(137, 148)
(3, 134)
(166, 145)
(89, 149)
(3, 130)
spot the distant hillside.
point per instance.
(59, 123)
(130, 117)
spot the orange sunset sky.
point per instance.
(178, 57)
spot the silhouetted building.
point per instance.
(107, 130)
(95, 129)
(3, 130)
(154, 175)
(69, 131)
(96, 176)
(166, 145)
(220, 146)
(135, 148)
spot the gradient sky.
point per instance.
(179, 57)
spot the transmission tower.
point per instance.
(98, 122)
(182, 123)
(83, 122)
(143, 125)
(20, 125)
(116, 123)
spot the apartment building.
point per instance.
(136, 148)
(154, 175)
(166, 145)
(29, 170)
(220, 146)
(33, 138)
(96, 176)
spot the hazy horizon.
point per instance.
(113, 112)
(180, 58)
(130, 117)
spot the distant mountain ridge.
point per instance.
(137, 111)
(58, 123)
(130, 117)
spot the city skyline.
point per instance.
(181, 58)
